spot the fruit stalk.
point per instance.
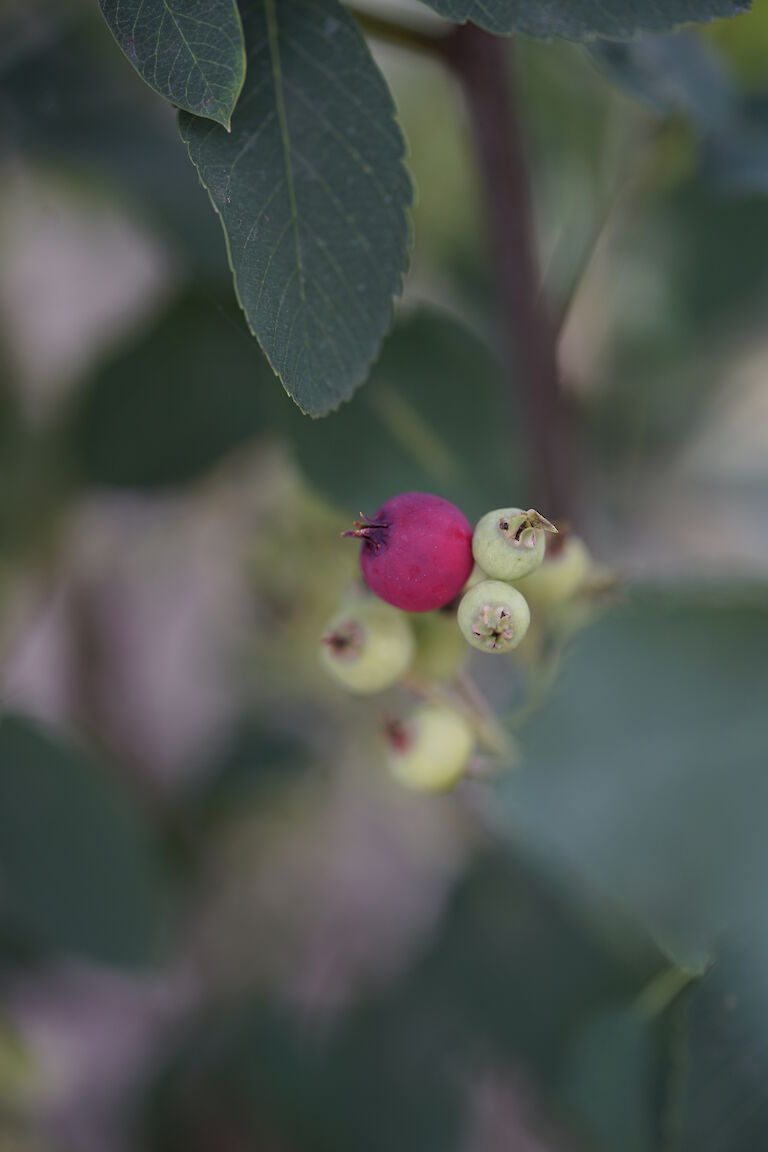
(484, 64)
(490, 731)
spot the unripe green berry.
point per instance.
(508, 543)
(440, 648)
(475, 576)
(493, 616)
(560, 577)
(368, 646)
(429, 751)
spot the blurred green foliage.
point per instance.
(513, 974)
(608, 953)
(78, 871)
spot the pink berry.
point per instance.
(417, 551)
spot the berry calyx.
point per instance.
(430, 749)
(367, 647)
(416, 551)
(508, 543)
(494, 617)
(560, 577)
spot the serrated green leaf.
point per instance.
(190, 51)
(313, 196)
(76, 864)
(585, 19)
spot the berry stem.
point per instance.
(527, 333)
(423, 690)
(539, 684)
(485, 67)
(489, 728)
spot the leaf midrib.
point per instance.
(282, 119)
(189, 49)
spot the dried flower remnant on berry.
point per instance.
(508, 543)
(523, 529)
(368, 646)
(494, 617)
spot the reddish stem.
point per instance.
(484, 64)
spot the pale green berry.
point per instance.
(493, 616)
(440, 648)
(430, 750)
(564, 572)
(475, 576)
(368, 646)
(508, 543)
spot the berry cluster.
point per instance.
(428, 570)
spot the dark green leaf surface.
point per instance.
(644, 778)
(76, 865)
(313, 196)
(644, 774)
(270, 1081)
(511, 978)
(190, 51)
(166, 408)
(723, 1069)
(507, 934)
(255, 767)
(585, 19)
(616, 1078)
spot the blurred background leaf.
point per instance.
(78, 874)
(347, 965)
(618, 1079)
(432, 417)
(722, 1067)
(683, 75)
(398, 1069)
(585, 19)
(678, 74)
(257, 765)
(643, 772)
(170, 405)
(68, 101)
